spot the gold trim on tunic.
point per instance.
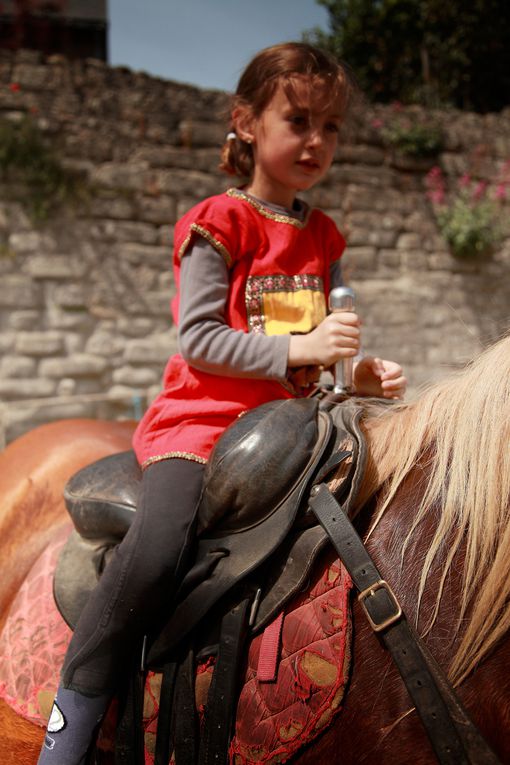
(174, 455)
(205, 234)
(266, 212)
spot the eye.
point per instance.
(299, 120)
(332, 127)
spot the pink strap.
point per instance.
(267, 667)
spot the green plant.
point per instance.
(25, 156)
(410, 133)
(423, 51)
(413, 139)
(469, 219)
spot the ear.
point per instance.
(244, 123)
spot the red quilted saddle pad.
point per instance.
(308, 650)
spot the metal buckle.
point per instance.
(380, 585)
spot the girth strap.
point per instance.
(186, 729)
(129, 738)
(163, 733)
(222, 697)
(454, 738)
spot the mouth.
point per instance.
(309, 164)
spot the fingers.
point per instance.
(343, 329)
(394, 388)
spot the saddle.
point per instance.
(257, 538)
(255, 487)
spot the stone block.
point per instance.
(439, 261)
(19, 320)
(17, 366)
(7, 340)
(55, 267)
(360, 154)
(58, 318)
(166, 237)
(33, 77)
(358, 259)
(19, 388)
(389, 258)
(24, 242)
(189, 182)
(111, 175)
(103, 343)
(136, 326)
(119, 207)
(135, 377)
(409, 241)
(124, 231)
(77, 365)
(414, 260)
(375, 177)
(196, 133)
(153, 350)
(143, 254)
(40, 343)
(66, 387)
(72, 296)
(159, 210)
(19, 291)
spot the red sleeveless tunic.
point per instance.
(279, 281)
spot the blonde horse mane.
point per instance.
(464, 422)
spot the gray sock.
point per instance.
(72, 726)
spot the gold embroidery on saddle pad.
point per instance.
(275, 720)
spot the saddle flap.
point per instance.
(238, 554)
(101, 498)
(256, 463)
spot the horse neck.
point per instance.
(457, 526)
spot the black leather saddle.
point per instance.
(253, 510)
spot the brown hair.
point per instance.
(281, 64)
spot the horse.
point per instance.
(434, 511)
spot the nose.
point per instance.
(314, 137)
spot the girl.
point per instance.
(253, 268)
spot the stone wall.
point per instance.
(84, 297)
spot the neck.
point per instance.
(282, 197)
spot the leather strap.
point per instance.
(162, 751)
(186, 729)
(129, 738)
(453, 736)
(222, 696)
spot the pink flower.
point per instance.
(15, 87)
(500, 192)
(479, 190)
(464, 181)
(396, 106)
(436, 196)
(377, 124)
(435, 172)
(434, 181)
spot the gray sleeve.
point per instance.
(205, 340)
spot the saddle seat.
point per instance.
(253, 504)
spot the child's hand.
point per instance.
(378, 377)
(336, 337)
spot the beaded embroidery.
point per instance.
(256, 286)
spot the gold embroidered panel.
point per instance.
(278, 304)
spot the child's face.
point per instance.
(294, 141)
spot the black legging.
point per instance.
(136, 587)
